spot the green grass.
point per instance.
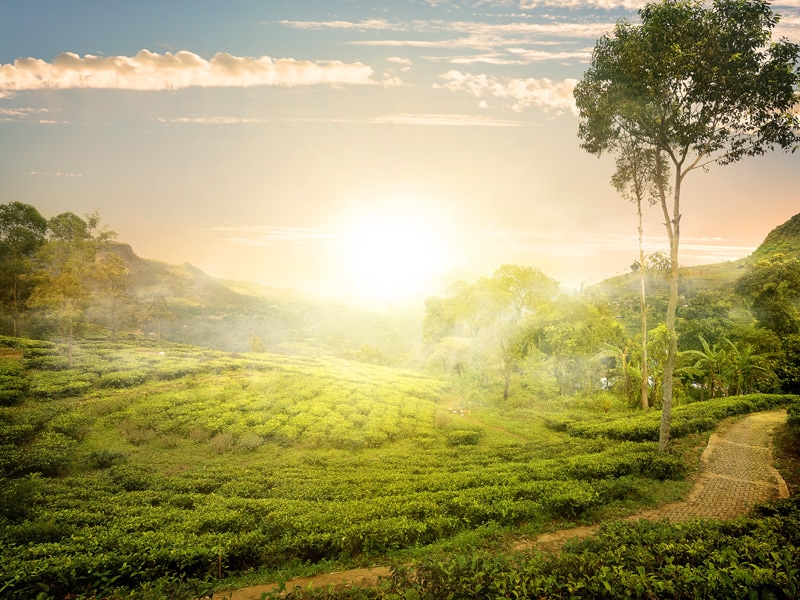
(203, 465)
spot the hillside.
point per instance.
(227, 315)
(784, 239)
(718, 276)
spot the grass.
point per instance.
(262, 467)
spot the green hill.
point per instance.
(718, 276)
(784, 239)
(226, 315)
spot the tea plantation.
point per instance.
(138, 464)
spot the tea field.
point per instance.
(137, 464)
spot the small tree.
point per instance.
(68, 270)
(22, 233)
(697, 84)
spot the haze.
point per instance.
(368, 152)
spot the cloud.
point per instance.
(789, 27)
(601, 4)
(214, 120)
(398, 60)
(586, 244)
(367, 24)
(20, 114)
(445, 119)
(55, 174)
(151, 71)
(545, 94)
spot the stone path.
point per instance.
(737, 472)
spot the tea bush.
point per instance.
(210, 464)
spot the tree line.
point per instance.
(59, 275)
(514, 338)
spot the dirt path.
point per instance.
(737, 472)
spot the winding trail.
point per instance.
(736, 472)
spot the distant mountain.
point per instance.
(181, 286)
(228, 315)
(784, 239)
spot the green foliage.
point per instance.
(262, 461)
(686, 419)
(748, 558)
(103, 459)
(60, 384)
(49, 454)
(773, 287)
(12, 389)
(793, 417)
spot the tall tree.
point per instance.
(638, 179)
(68, 270)
(699, 84)
(112, 275)
(488, 314)
(22, 233)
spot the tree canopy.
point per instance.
(693, 84)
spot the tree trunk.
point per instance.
(645, 403)
(673, 225)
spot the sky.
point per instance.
(371, 152)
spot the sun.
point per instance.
(391, 258)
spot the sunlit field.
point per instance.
(144, 463)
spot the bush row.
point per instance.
(686, 419)
(753, 557)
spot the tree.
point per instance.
(487, 314)
(773, 287)
(576, 332)
(636, 179)
(697, 84)
(112, 276)
(68, 270)
(22, 233)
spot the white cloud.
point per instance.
(150, 71)
(256, 236)
(789, 27)
(213, 120)
(372, 24)
(445, 119)
(602, 4)
(56, 174)
(20, 114)
(694, 250)
(545, 94)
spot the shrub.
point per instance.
(60, 384)
(12, 391)
(464, 437)
(49, 454)
(250, 442)
(122, 379)
(136, 433)
(221, 443)
(103, 459)
(793, 417)
(130, 478)
(73, 424)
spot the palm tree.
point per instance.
(744, 365)
(709, 367)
